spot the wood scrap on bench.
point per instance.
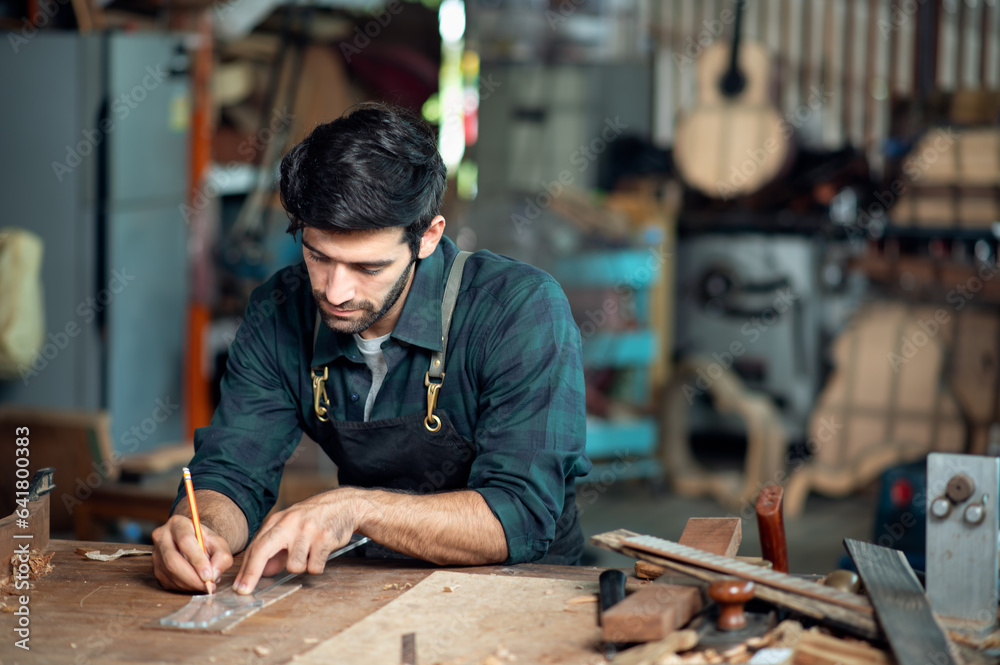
(655, 611)
(716, 535)
(824, 604)
(816, 648)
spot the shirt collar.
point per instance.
(419, 323)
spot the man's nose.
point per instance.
(340, 287)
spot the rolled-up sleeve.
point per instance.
(255, 428)
(531, 432)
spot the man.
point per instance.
(475, 465)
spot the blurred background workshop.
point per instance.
(781, 256)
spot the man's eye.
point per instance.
(317, 258)
(371, 272)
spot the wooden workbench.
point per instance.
(101, 612)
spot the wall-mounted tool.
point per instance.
(962, 549)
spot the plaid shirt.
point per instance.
(513, 386)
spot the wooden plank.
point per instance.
(716, 535)
(912, 630)
(815, 648)
(651, 613)
(655, 652)
(479, 616)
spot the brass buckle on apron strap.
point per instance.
(319, 393)
(432, 422)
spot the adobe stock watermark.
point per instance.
(871, 219)
(121, 107)
(581, 158)
(826, 430)
(248, 148)
(910, 345)
(902, 12)
(47, 9)
(592, 491)
(772, 148)
(87, 310)
(712, 30)
(139, 432)
(363, 36)
(752, 330)
(624, 290)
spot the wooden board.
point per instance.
(716, 535)
(651, 613)
(913, 632)
(815, 648)
(480, 616)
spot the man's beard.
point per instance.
(369, 314)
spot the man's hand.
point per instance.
(299, 539)
(449, 528)
(178, 560)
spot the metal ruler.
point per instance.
(206, 612)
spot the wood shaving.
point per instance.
(503, 654)
(592, 598)
(396, 586)
(262, 651)
(451, 589)
(96, 555)
(38, 567)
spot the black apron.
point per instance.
(421, 452)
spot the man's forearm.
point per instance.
(448, 528)
(218, 512)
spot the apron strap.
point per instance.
(436, 369)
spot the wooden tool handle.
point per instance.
(731, 595)
(771, 525)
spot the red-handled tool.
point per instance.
(771, 525)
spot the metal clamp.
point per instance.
(432, 422)
(319, 393)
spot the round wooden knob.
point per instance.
(731, 595)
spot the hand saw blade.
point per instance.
(204, 610)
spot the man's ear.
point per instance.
(431, 237)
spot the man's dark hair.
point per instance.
(377, 166)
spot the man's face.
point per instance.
(358, 279)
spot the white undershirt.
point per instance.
(371, 349)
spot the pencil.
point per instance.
(194, 518)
